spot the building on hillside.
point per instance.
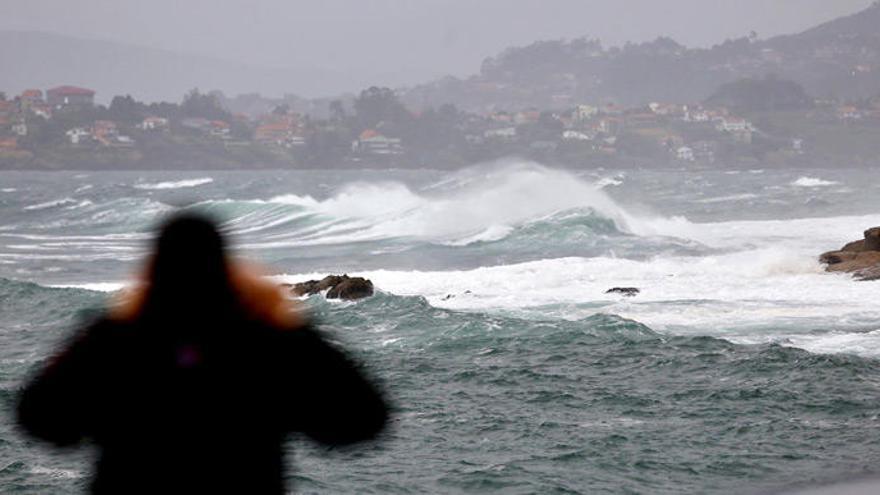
(733, 124)
(20, 128)
(576, 136)
(584, 112)
(503, 134)
(154, 124)
(220, 129)
(696, 115)
(79, 135)
(272, 133)
(296, 141)
(372, 142)
(68, 96)
(849, 112)
(32, 95)
(667, 109)
(685, 154)
(105, 132)
(41, 110)
(609, 125)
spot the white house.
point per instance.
(154, 124)
(733, 124)
(685, 154)
(78, 135)
(502, 133)
(20, 128)
(585, 112)
(576, 136)
(371, 141)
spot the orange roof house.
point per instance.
(70, 95)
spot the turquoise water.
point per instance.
(740, 368)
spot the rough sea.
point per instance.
(741, 367)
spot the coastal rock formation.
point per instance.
(337, 287)
(624, 291)
(860, 258)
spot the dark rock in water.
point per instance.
(860, 258)
(452, 296)
(624, 291)
(351, 288)
(872, 239)
(337, 287)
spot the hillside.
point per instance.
(838, 59)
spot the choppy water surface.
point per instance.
(740, 368)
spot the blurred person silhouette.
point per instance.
(191, 383)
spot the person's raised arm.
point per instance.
(53, 405)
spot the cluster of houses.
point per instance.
(16, 113)
(599, 129)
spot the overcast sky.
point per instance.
(395, 42)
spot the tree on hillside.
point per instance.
(207, 106)
(758, 95)
(126, 109)
(375, 105)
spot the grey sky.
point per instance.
(396, 42)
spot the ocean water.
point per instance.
(740, 368)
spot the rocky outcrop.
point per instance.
(860, 258)
(624, 291)
(337, 287)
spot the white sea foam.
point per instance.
(863, 343)
(82, 204)
(492, 233)
(8, 189)
(609, 181)
(51, 204)
(725, 199)
(813, 182)
(93, 286)
(179, 184)
(56, 473)
(487, 204)
(736, 295)
(763, 283)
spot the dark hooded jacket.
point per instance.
(196, 393)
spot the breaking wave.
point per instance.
(180, 184)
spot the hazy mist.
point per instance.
(392, 42)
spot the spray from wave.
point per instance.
(180, 184)
(477, 205)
